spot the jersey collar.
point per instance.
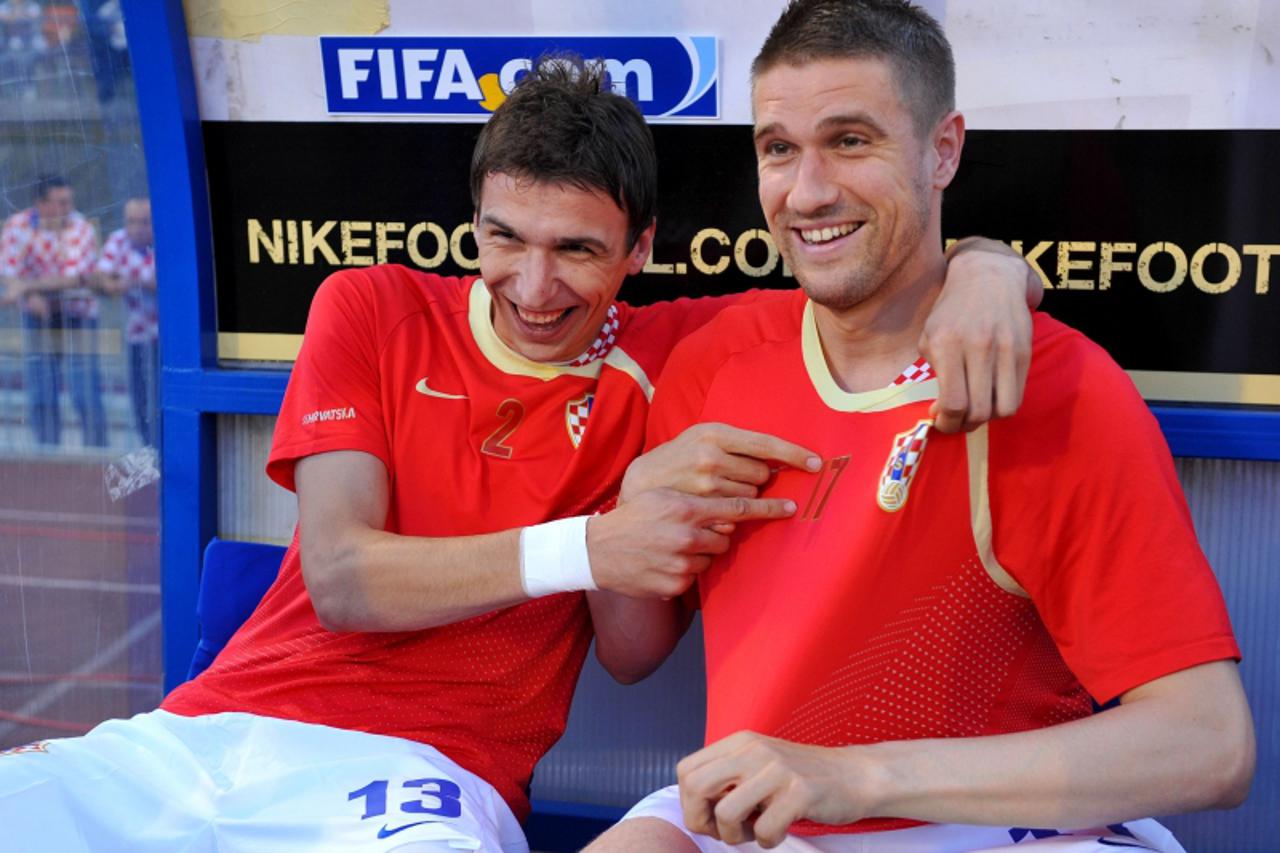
(503, 357)
(878, 400)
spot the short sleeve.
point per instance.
(334, 397)
(109, 261)
(704, 345)
(680, 393)
(81, 250)
(1090, 519)
(13, 244)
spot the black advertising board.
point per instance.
(1164, 246)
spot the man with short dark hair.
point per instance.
(908, 663)
(449, 440)
(47, 254)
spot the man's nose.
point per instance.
(536, 282)
(813, 190)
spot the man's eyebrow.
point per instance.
(765, 130)
(594, 242)
(845, 120)
(828, 123)
(488, 219)
(584, 240)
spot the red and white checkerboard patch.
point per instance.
(904, 460)
(920, 371)
(576, 413)
(38, 746)
(602, 344)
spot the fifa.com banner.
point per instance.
(667, 77)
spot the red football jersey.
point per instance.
(937, 585)
(406, 366)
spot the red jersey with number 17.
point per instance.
(938, 585)
(406, 366)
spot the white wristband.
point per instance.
(553, 557)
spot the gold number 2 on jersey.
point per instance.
(511, 413)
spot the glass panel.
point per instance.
(251, 508)
(79, 530)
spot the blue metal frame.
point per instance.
(193, 389)
(174, 149)
(1221, 433)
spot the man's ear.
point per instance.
(947, 141)
(639, 255)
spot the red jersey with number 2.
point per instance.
(406, 366)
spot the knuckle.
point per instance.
(684, 508)
(724, 812)
(944, 339)
(673, 588)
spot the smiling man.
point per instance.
(448, 440)
(908, 663)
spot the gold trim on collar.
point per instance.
(837, 398)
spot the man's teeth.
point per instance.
(825, 235)
(540, 318)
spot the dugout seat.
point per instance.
(233, 579)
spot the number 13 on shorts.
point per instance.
(438, 797)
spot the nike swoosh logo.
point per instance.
(1107, 842)
(387, 833)
(422, 388)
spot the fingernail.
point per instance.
(789, 506)
(813, 463)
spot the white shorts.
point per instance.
(159, 783)
(933, 837)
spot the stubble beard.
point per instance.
(864, 275)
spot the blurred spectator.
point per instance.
(22, 21)
(127, 268)
(61, 23)
(23, 41)
(47, 255)
(104, 27)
